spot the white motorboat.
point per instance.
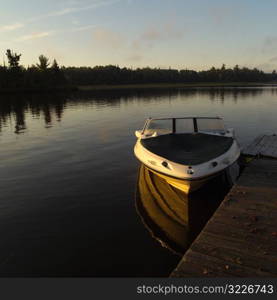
(187, 152)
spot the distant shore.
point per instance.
(173, 85)
(37, 90)
(103, 87)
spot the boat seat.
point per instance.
(188, 148)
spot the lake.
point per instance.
(68, 188)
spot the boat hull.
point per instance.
(186, 186)
(179, 176)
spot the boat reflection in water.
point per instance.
(173, 217)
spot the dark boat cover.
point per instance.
(188, 148)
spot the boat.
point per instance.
(187, 152)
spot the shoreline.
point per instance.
(38, 90)
(138, 86)
(172, 85)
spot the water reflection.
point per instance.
(15, 107)
(19, 115)
(171, 216)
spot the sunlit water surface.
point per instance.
(69, 176)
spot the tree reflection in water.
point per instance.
(15, 106)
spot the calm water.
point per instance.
(69, 176)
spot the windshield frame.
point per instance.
(194, 119)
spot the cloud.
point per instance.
(83, 28)
(273, 59)
(151, 34)
(107, 38)
(62, 12)
(136, 45)
(166, 32)
(33, 36)
(11, 27)
(221, 14)
(266, 67)
(43, 34)
(74, 9)
(269, 65)
(269, 44)
(270, 41)
(57, 13)
(75, 22)
(135, 57)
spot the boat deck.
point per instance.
(188, 148)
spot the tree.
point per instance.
(236, 68)
(55, 66)
(43, 63)
(13, 58)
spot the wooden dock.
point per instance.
(263, 145)
(240, 240)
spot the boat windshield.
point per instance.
(183, 125)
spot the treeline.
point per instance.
(49, 75)
(116, 75)
(41, 76)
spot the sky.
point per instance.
(192, 34)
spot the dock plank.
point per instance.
(240, 240)
(252, 148)
(263, 145)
